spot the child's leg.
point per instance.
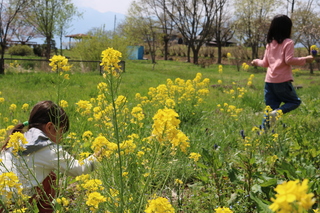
(271, 100)
(46, 194)
(270, 96)
(288, 95)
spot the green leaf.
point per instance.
(268, 183)
(262, 207)
(204, 179)
(232, 174)
(287, 169)
(201, 165)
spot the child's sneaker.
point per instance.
(273, 117)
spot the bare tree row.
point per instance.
(200, 21)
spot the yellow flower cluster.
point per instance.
(63, 104)
(293, 197)
(314, 47)
(229, 55)
(194, 156)
(110, 61)
(231, 109)
(16, 141)
(84, 107)
(245, 66)
(177, 92)
(236, 93)
(165, 130)
(250, 80)
(223, 210)
(137, 113)
(10, 186)
(103, 145)
(91, 186)
(12, 108)
(159, 204)
(58, 62)
(220, 68)
(63, 201)
(14, 64)
(25, 107)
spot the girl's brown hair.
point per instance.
(42, 113)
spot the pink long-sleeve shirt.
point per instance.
(279, 58)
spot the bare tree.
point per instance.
(221, 29)
(164, 21)
(9, 10)
(306, 23)
(252, 23)
(22, 31)
(194, 20)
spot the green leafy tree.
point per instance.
(89, 47)
(141, 27)
(64, 22)
(48, 16)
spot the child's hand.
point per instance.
(254, 63)
(309, 59)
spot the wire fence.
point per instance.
(43, 64)
(78, 65)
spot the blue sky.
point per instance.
(118, 6)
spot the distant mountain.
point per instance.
(94, 19)
(91, 18)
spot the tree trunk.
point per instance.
(311, 68)
(219, 52)
(195, 55)
(48, 47)
(254, 51)
(3, 49)
(188, 54)
(166, 42)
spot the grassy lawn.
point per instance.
(232, 171)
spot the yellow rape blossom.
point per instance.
(94, 199)
(63, 201)
(293, 197)
(16, 140)
(58, 62)
(159, 204)
(220, 69)
(13, 107)
(110, 61)
(63, 104)
(25, 107)
(194, 156)
(178, 182)
(223, 210)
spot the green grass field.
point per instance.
(232, 171)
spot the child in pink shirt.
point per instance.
(278, 58)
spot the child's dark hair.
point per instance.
(280, 29)
(42, 113)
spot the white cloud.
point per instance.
(118, 6)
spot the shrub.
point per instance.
(39, 50)
(21, 50)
